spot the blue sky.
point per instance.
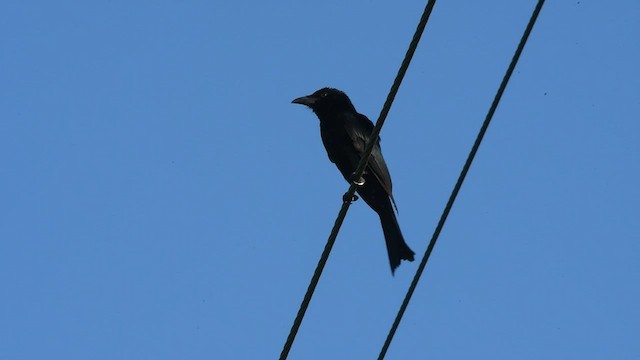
(162, 199)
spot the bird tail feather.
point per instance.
(397, 248)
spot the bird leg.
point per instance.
(358, 182)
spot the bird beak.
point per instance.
(305, 100)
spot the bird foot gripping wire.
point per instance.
(345, 197)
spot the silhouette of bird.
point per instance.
(345, 133)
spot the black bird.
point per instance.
(345, 133)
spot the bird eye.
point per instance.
(324, 94)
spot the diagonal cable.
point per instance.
(461, 178)
(357, 175)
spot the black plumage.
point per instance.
(345, 133)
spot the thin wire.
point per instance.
(357, 175)
(461, 178)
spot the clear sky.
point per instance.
(161, 198)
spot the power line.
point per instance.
(357, 175)
(461, 178)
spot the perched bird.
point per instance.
(345, 133)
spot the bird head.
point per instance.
(326, 101)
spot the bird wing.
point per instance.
(360, 131)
